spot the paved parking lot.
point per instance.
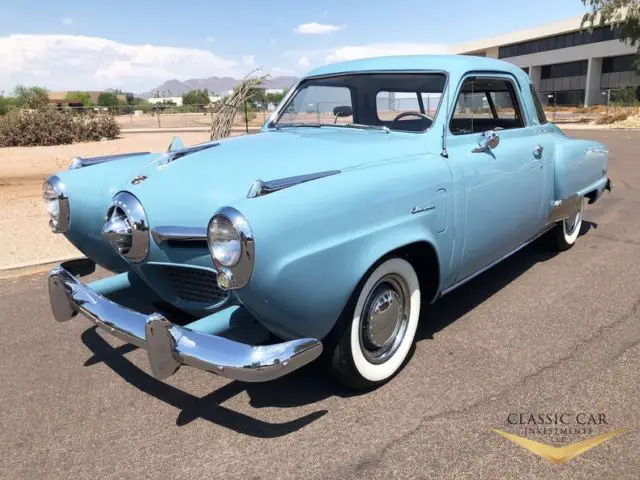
(538, 333)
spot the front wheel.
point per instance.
(377, 331)
(566, 232)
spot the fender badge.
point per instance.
(139, 179)
(422, 208)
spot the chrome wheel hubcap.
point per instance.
(384, 318)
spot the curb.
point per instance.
(21, 269)
(181, 129)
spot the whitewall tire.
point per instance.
(379, 326)
(568, 230)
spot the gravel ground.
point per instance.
(537, 333)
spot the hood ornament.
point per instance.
(138, 180)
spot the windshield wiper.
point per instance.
(365, 127)
(300, 124)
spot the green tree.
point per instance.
(4, 105)
(108, 99)
(80, 97)
(31, 97)
(196, 97)
(621, 14)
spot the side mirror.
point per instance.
(491, 140)
(342, 111)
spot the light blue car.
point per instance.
(376, 186)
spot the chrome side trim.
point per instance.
(561, 209)
(239, 274)
(169, 346)
(168, 233)
(493, 264)
(260, 188)
(80, 162)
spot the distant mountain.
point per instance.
(216, 85)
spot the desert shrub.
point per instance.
(613, 117)
(53, 127)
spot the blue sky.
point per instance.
(137, 45)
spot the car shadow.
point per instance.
(465, 298)
(310, 384)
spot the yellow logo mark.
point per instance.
(559, 454)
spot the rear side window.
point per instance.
(484, 104)
(542, 118)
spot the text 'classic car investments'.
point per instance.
(375, 187)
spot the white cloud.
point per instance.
(209, 39)
(67, 21)
(304, 62)
(69, 62)
(383, 49)
(249, 61)
(278, 71)
(316, 28)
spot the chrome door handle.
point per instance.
(537, 151)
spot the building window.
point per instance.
(572, 39)
(559, 70)
(623, 63)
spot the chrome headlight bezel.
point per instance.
(237, 273)
(59, 223)
(126, 217)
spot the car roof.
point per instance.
(453, 64)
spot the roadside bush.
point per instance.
(613, 117)
(53, 127)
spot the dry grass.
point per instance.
(614, 116)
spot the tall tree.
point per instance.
(621, 14)
(80, 97)
(108, 99)
(31, 97)
(196, 97)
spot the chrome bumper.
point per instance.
(169, 346)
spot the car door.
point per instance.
(492, 151)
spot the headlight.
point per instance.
(224, 241)
(231, 245)
(57, 204)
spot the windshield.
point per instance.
(405, 102)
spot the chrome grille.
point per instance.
(194, 285)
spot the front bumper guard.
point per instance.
(168, 345)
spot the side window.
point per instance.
(486, 104)
(542, 118)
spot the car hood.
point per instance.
(188, 190)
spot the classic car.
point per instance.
(375, 187)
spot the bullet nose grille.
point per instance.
(194, 285)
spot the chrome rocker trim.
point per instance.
(170, 346)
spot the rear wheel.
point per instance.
(566, 232)
(378, 327)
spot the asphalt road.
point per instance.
(538, 333)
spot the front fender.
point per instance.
(315, 242)
(90, 191)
